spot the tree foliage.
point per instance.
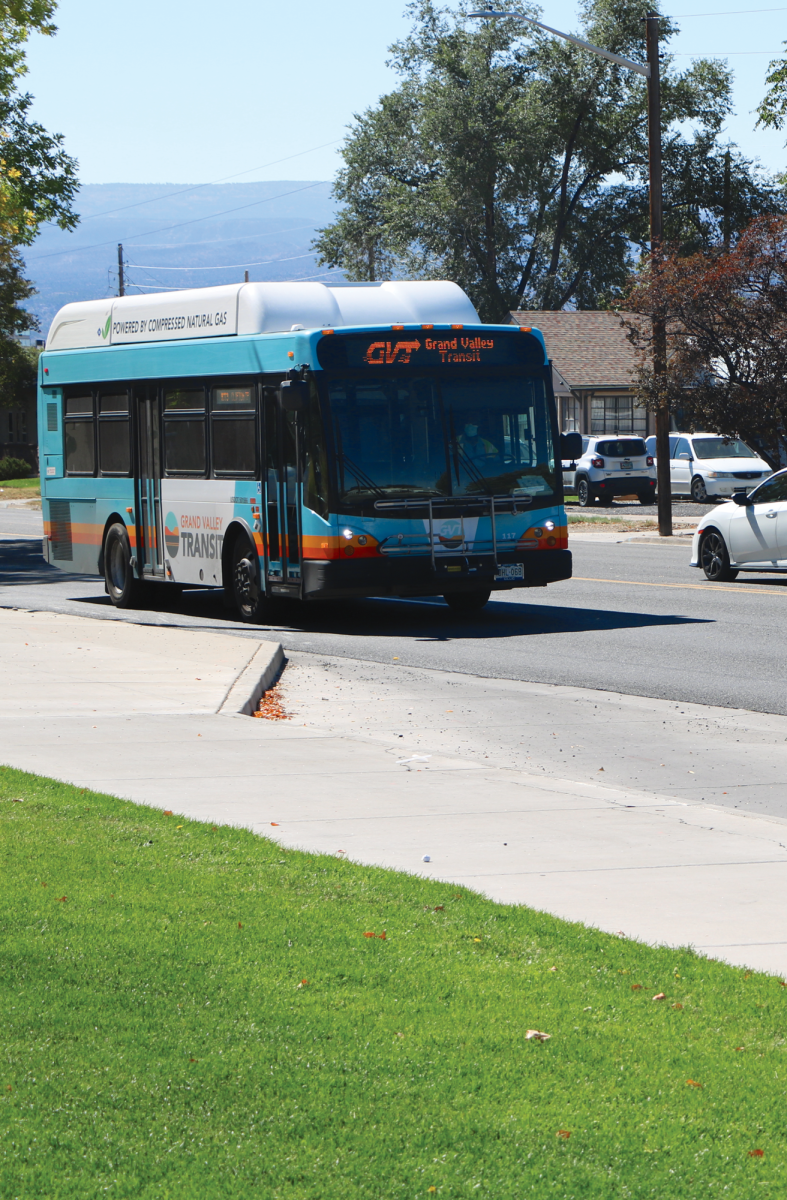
(726, 318)
(516, 163)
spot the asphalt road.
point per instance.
(635, 619)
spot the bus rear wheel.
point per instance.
(468, 601)
(123, 589)
(246, 585)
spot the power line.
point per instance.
(244, 237)
(740, 12)
(227, 267)
(178, 225)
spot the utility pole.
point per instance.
(121, 278)
(245, 276)
(726, 228)
(663, 482)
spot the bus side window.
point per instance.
(114, 440)
(315, 476)
(184, 430)
(79, 434)
(233, 428)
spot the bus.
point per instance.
(297, 440)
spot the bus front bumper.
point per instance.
(415, 575)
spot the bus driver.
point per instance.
(473, 445)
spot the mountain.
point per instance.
(176, 236)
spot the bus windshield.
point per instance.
(408, 435)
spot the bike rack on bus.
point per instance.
(492, 505)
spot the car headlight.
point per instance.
(719, 475)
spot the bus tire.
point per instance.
(468, 601)
(245, 582)
(123, 589)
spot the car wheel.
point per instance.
(606, 501)
(247, 590)
(699, 493)
(584, 494)
(468, 601)
(123, 589)
(646, 498)
(715, 560)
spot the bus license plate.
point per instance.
(510, 571)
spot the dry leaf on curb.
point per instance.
(564, 1133)
(660, 996)
(693, 1083)
(535, 1035)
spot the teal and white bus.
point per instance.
(297, 440)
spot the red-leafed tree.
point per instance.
(726, 320)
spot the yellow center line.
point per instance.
(702, 587)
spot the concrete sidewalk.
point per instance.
(658, 867)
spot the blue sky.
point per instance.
(190, 91)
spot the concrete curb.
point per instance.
(257, 676)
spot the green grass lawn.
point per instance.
(20, 489)
(189, 1011)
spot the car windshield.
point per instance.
(721, 448)
(622, 448)
(408, 435)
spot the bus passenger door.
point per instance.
(283, 498)
(149, 539)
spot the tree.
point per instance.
(726, 317)
(516, 163)
(37, 183)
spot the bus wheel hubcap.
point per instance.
(244, 581)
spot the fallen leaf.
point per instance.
(601, 768)
(747, 975)
(553, 968)
(535, 1035)
(274, 822)
(678, 1006)
(636, 987)
(693, 1083)
(239, 925)
(439, 908)
(382, 935)
(400, 1035)
(62, 898)
(756, 1153)
(192, 1060)
(476, 939)
(660, 996)
(458, 896)
(167, 812)
(43, 885)
(178, 826)
(369, 934)
(739, 1047)
(564, 1133)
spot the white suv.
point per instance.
(708, 467)
(611, 466)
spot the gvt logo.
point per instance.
(384, 353)
(172, 535)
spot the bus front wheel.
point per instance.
(468, 601)
(246, 587)
(123, 589)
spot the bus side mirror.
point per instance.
(294, 395)
(571, 446)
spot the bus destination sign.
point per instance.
(444, 349)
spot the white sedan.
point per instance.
(747, 533)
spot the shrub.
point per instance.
(14, 468)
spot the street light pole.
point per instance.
(651, 72)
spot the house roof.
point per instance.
(589, 349)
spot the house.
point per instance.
(594, 369)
